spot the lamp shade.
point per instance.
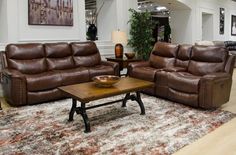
(119, 37)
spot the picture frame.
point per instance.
(222, 21)
(50, 12)
(233, 25)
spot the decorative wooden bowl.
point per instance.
(130, 55)
(106, 80)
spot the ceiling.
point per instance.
(171, 4)
(157, 7)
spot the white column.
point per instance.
(113, 15)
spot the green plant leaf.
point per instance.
(141, 30)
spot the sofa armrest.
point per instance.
(139, 64)
(136, 64)
(14, 87)
(216, 76)
(214, 90)
(175, 69)
(114, 65)
(230, 63)
(12, 73)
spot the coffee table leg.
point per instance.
(133, 97)
(127, 97)
(73, 110)
(85, 118)
(140, 102)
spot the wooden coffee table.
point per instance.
(87, 92)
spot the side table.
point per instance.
(123, 62)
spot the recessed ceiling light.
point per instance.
(160, 8)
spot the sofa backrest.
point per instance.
(205, 60)
(59, 56)
(183, 56)
(163, 55)
(27, 58)
(85, 54)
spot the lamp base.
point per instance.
(119, 51)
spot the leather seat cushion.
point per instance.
(100, 70)
(181, 97)
(145, 73)
(43, 81)
(184, 82)
(74, 76)
(44, 96)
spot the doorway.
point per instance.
(207, 26)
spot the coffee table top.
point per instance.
(86, 92)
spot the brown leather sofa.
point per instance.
(197, 76)
(33, 72)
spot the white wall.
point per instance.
(181, 26)
(207, 26)
(231, 11)
(123, 14)
(186, 23)
(3, 21)
(114, 15)
(2, 46)
(20, 31)
(213, 7)
(107, 19)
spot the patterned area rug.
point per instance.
(166, 127)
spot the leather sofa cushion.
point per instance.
(100, 70)
(183, 56)
(44, 96)
(184, 82)
(60, 63)
(86, 54)
(27, 58)
(165, 49)
(43, 81)
(185, 98)
(59, 56)
(145, 73)
(161, 62)
(163, 55)
(203, 68)
(87, 61)
(74, 76)
(205, 60)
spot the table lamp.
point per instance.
(119, 38)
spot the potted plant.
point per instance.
(141, 39)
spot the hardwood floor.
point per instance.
(221, 141)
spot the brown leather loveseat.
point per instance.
(32, 72)
(193, 75)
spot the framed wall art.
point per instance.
(233, 25)
(222, 20)
(50, 12)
